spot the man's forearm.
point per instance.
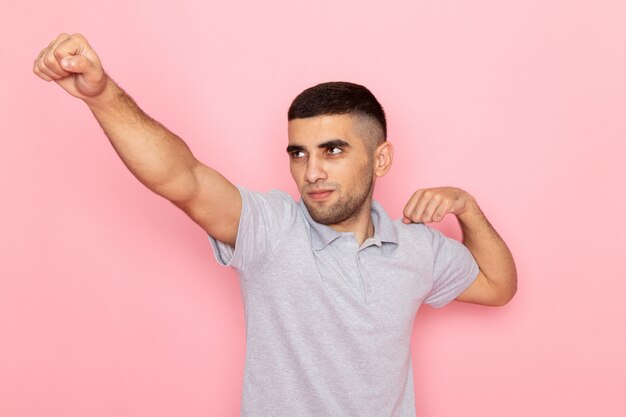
(491, 253)
(156, 156)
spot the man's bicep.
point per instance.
(215, 204)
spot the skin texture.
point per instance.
(334, 160)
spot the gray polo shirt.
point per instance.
(328, 323)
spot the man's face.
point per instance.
(331, 166)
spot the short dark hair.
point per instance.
(336, 98)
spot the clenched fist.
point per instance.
(432, 204)
(70, 61)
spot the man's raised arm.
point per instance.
(156, 156)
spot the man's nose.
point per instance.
(315, 171)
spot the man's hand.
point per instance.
(496, 282)
(432, 204)
(70, 61)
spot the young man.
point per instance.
(331, 284)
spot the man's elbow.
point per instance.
(505, 294)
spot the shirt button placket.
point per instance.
(364, 278)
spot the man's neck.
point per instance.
(360, 224)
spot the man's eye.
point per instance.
(334, 150)
(297, 154)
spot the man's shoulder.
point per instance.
(273, 198)
(414, 233)
(274, 207)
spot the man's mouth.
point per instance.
(318, 195)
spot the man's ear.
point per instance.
(383, 157)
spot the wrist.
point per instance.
(105, 98)
(470, 209)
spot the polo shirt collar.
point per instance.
(322, 235)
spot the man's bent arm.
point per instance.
(156, 156)
(496, 282)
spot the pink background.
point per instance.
(110, 301)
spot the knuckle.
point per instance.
(41, 66)
(58, 53)
(49, 60)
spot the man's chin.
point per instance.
(327, 221)
(318, 213)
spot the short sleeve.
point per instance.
(265, 217)
(454, 269)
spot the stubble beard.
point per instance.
(346, 207)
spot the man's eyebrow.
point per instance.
(334, 143)
(294, 148)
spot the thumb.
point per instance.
(90, 79)
(77, 64)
